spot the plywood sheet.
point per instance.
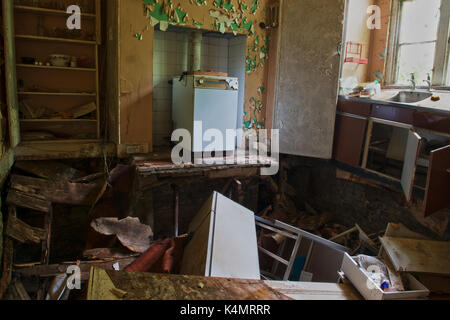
(308, 74)
(422, 256)
(315, 290)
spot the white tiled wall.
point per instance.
(170, 60)
(215, 54)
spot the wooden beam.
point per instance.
(24, 200)
(63, 150)
(10, 72)
(22, 232)
(58, 192)
(49, 170)
(49, 271)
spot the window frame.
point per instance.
(442, 47)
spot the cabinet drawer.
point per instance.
(354, 107)
(397, 114)
(431, 121)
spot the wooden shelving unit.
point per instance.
(55, 68)
(38, 10)
(41, 31)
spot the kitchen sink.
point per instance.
(411, 96)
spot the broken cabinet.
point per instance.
(399, 144)
(223, 241)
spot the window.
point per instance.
(419, 43)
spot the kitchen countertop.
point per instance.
(441, 107)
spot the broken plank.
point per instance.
(83, 110)
(49, 170)
(422, 256)
(24, 200)
(395, 230)
(48, 271)
(58, 192)
(107, 253)
(315, 291)
(22, 232)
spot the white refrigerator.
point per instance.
(200, 103)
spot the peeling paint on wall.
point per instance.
(238, 17)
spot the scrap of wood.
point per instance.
(49, 271)
(83, 110)
(395, 230)
(24, 200)
(22, 232)
(130, 231)
(315, 291)
(49, 170)
(423, 256)
(58, 191)
(336, 237)
(105, 253)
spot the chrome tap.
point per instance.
(428, 81)
(413, 82)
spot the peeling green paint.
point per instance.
(228, 6)
(254, 7)
(198, 24)
(180, 16)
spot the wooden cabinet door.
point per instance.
(349, 139)
(437, 194)
(410, 163)
(308, 76)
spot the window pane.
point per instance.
(419, 20)
(417, 58)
